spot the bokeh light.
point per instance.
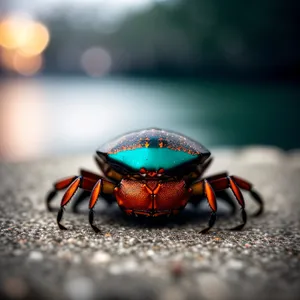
(12, 32)
(96, 61)
(37, 38)
(21, 121)
(22, 42)
(7, 58)
(27, 65)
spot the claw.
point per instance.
(259, 200)
(211, 223)
(91, 220)
(59, 217)
(239, 227)
(49, 198)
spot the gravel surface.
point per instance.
(143, 259)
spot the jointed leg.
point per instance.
(75, 182)
(211, 198)
(239, 196)
(221, 182)
(258, 200)
(101, 186)
(84, 193)
(57, 186)
(89, 174)
(65, 182)
(93, 200)
(66, 198)
(235, 184)
(242, 184)
(220, 195)
(203, 187)
(62, 184)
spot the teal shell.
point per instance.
(153, 149)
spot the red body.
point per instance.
(152, 197)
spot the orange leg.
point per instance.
(72, 184)
(79, 181)
(94, 197)
(73, 187)
(221, 182)
(201, 188)
(101, 186)
(89, 174)
(211, 198)
(84, 194)
(89, 180)
(242, 184)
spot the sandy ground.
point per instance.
(138, 259)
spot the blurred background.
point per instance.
(76, 73)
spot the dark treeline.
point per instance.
(252, 39)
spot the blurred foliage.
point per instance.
(192, 37)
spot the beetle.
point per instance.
(153, 172)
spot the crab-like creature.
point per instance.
(153, 172)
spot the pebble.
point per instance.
(127, 266)
(18, 252)
(177, 269)
(77, 259)
(150, 252)
(101, 257)
(235, 264)
(130, 265)
(65, 254)
(115, 269)
(35, 256)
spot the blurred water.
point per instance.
(54, 115)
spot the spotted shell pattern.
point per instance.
(153, 149)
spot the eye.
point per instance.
(143, 172)
(160, 171)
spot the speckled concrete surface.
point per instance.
(144, 260)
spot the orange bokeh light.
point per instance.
(7, 58)
(21, 121)
(37, 38)
(11, 32)
(27, 65)
(22, 41)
